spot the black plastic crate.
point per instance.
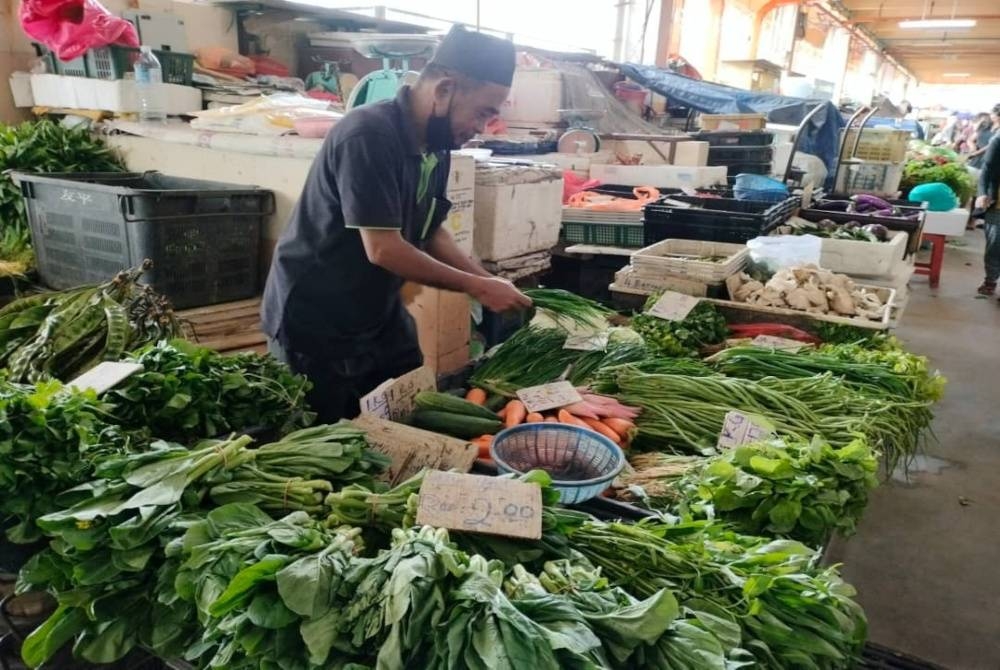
(203, 237)
(714, 219)
(724, 155)
(735, 138)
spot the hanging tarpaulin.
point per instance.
(820, 138)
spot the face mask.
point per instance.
(439, 135)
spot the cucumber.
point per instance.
(457, 425)
(443, 402)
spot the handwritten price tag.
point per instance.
(739, 428)
(673, 306)
(781, 343)
(548, 396)
(105, 376)
(479, 504)
(587, 342)
(394, 398)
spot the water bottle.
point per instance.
(148, 89)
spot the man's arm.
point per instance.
(442, 246)
(388, 250)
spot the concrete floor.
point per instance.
(926, 558)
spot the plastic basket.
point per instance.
(71, 68)
(203, 237)
(714, 219)
(682, 258)
(735, 138)
(877, 144)
(729, 155)
(114, 62)
(604, 234)
(582, 463)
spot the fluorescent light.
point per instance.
(938, 23)
(956, 74)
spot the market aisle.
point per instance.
(925, 560)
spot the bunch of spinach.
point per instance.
(185, 391)
(108, 537)
(807, 491)
(50, 439)
(40, 146)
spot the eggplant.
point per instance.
(868, 203)
(877, 230)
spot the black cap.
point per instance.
(482, 57)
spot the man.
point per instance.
(369, 218)
(989, 184)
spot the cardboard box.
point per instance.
(443, 326)
(462, 194)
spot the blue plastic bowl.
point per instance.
(582, 463)
(760, 188)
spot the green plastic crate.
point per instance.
(71, 68)
(114, 62)
(604, 234)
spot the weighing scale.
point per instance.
(395, 50)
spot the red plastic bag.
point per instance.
(72, 27)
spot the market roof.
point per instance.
(936, 55)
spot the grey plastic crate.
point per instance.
(203, 237)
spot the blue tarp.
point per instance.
(821, 138)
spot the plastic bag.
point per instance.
(783, 251)
(272, 115)
(573, 183)
(70, 28)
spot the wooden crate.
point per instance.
(229, 327)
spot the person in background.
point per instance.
(985, 127)
(989, 185)
(370, 217)
(963, 136)
(948, 133)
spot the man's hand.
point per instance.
(983, 202)
(498, 295)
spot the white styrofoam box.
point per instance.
(579, 163)
(518, 210)
(20, 89)
(536, 96)
(897, 280)
(691, 154)
(660, 176)
(946, 223)
(864, 259)
(51, 90)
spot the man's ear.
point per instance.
(444, 89)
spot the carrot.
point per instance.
(567, 418)
(477, 396)
(502, 414)
(623, 427)
(604, 430)
(551, 419)
(534, 417)
(516, 412)
(483, 443)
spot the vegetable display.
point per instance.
(185, 391)
(954, 174)
(63, 334)
(852, 230)
(40, 146)
(703, 326)
(805, 491)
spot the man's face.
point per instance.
(472, 108)
(995, 118)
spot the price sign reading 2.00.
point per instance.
(478, 504)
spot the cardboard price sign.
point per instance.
(411, 450)
(479, 504)
(395, 398)
(739, 429)
(673, 306)
(104, 376)
(781, 343)
(587, 342)
(548, 396)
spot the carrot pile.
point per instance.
(601, 414)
